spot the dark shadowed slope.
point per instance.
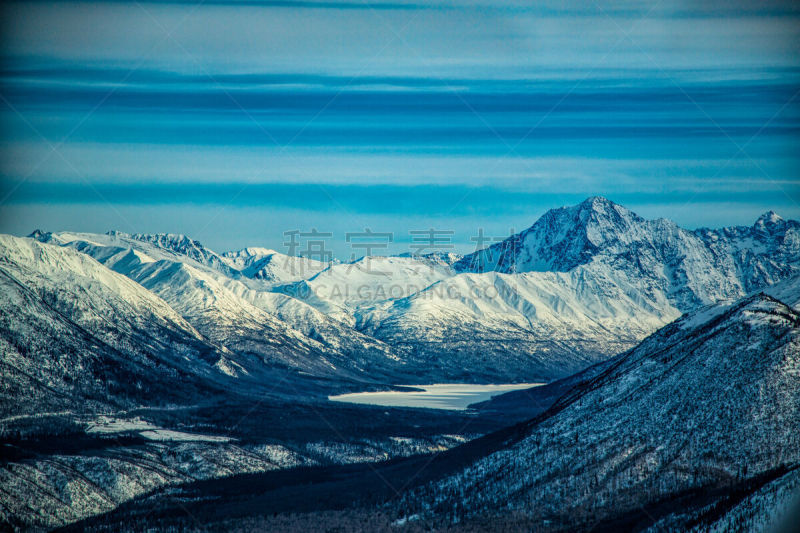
(711, 400)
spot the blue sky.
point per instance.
(236, 121)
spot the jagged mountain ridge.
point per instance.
(692, 268)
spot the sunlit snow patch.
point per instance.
(106, 425)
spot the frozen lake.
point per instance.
(456, 396)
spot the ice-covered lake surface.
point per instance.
(455, 396)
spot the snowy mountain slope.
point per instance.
(762, 507)
(125, 254)
(44, 266)
(538, 325)
(787, 291)
(229, 313)
(262, 264)
(242, 316)
(760, 255)
(442, 258)
(161, 246)
(345, 289)
(271, 266)
(561, 239)
(707, 406)
(255, 263)
(72, 331)
(179, 244)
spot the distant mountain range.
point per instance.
(582, 283)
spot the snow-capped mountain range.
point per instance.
(230, 308)
(582, 283)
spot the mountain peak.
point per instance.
(561, 239)
(771, 224)
(600, 207)
(39, 235)
(769, 220)
(180, 244)
(596, 220)
(595, 202)
(250, 252)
